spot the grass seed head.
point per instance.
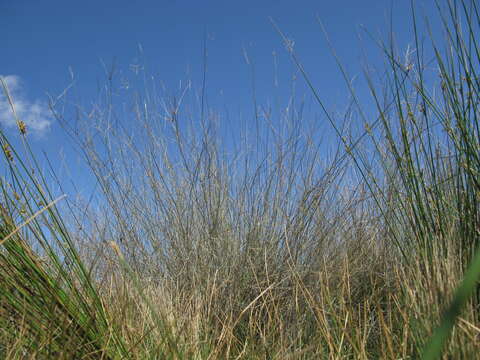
(8, 152)
(22, 127)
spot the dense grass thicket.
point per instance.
(198, 248)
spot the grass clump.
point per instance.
(197, 248)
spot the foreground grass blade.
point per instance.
(434, 347)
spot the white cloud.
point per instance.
(35, 114)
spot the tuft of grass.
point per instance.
(196, 247)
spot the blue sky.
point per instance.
(44, 42)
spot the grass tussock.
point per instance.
(199, 248)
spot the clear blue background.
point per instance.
(41, 42)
